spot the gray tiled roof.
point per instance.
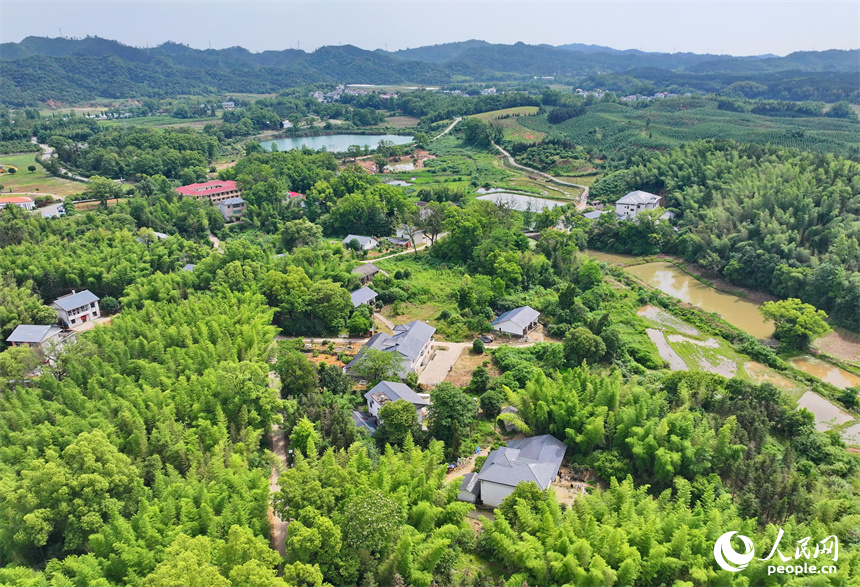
(366, 269)
(469, 482)
(362, 240)
(362, 296)
(535, 459)
(230, 201)
(638, 197)
(407, 340)
(363, 420)
(189, 267)
(75, 300)
(32, 333)
(522, 316)
(593, 215)
(395, 390)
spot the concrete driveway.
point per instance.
(442, 362)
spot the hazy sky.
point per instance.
(737, 28)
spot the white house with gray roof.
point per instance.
(536, 459)
(34, 335)
(77, 308)
(517, 322)
(410, 341)
(634, 202)
(364, 295)
(391, 391)
(45, 340)
(365, 242)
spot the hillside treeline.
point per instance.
(761, 216)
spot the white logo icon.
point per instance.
(724, 552)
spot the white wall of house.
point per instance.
(510, 328)
(422, 356)
(492, 494)
(78, 316)
(372, 407)
(466, 496)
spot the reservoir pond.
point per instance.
(334, 143)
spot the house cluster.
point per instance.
(224, 194)
(73, 310)
(336, 93)
(629, 206)
(598, 93)
(656, 96)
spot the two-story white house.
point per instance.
(391, 391)
(634, 202)
(411, 342)
(77, 308)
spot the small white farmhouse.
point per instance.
(77, 308)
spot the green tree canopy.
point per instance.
(797, 324)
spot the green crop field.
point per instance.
(38, 181)
(162, 122)
(511, 128)
(668, 123)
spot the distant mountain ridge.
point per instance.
(40, 68)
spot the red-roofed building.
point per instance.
(296, 195)
(214, 191)
(20, 201)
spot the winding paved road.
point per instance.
(583, 199)
(48, 152)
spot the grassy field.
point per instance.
(37, 182)
(668, 123)
(459, 167)
(430, 292)
(511, 128)
(162, 122)
(399, 122)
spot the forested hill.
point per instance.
(39, 69)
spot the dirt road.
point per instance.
(447, 130)
(583, 199)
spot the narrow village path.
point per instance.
(279, 447)
(388, 323)
(447, 130)
(407, 251)
(467, 466)
(583, 199)
(216, 243)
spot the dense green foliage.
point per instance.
(134, 438)
(616, 131)
(761, 216)
(360, 519)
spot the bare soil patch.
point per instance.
(842, 344)
(461, 374)
(665, 319)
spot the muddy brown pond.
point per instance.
(669, 279)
